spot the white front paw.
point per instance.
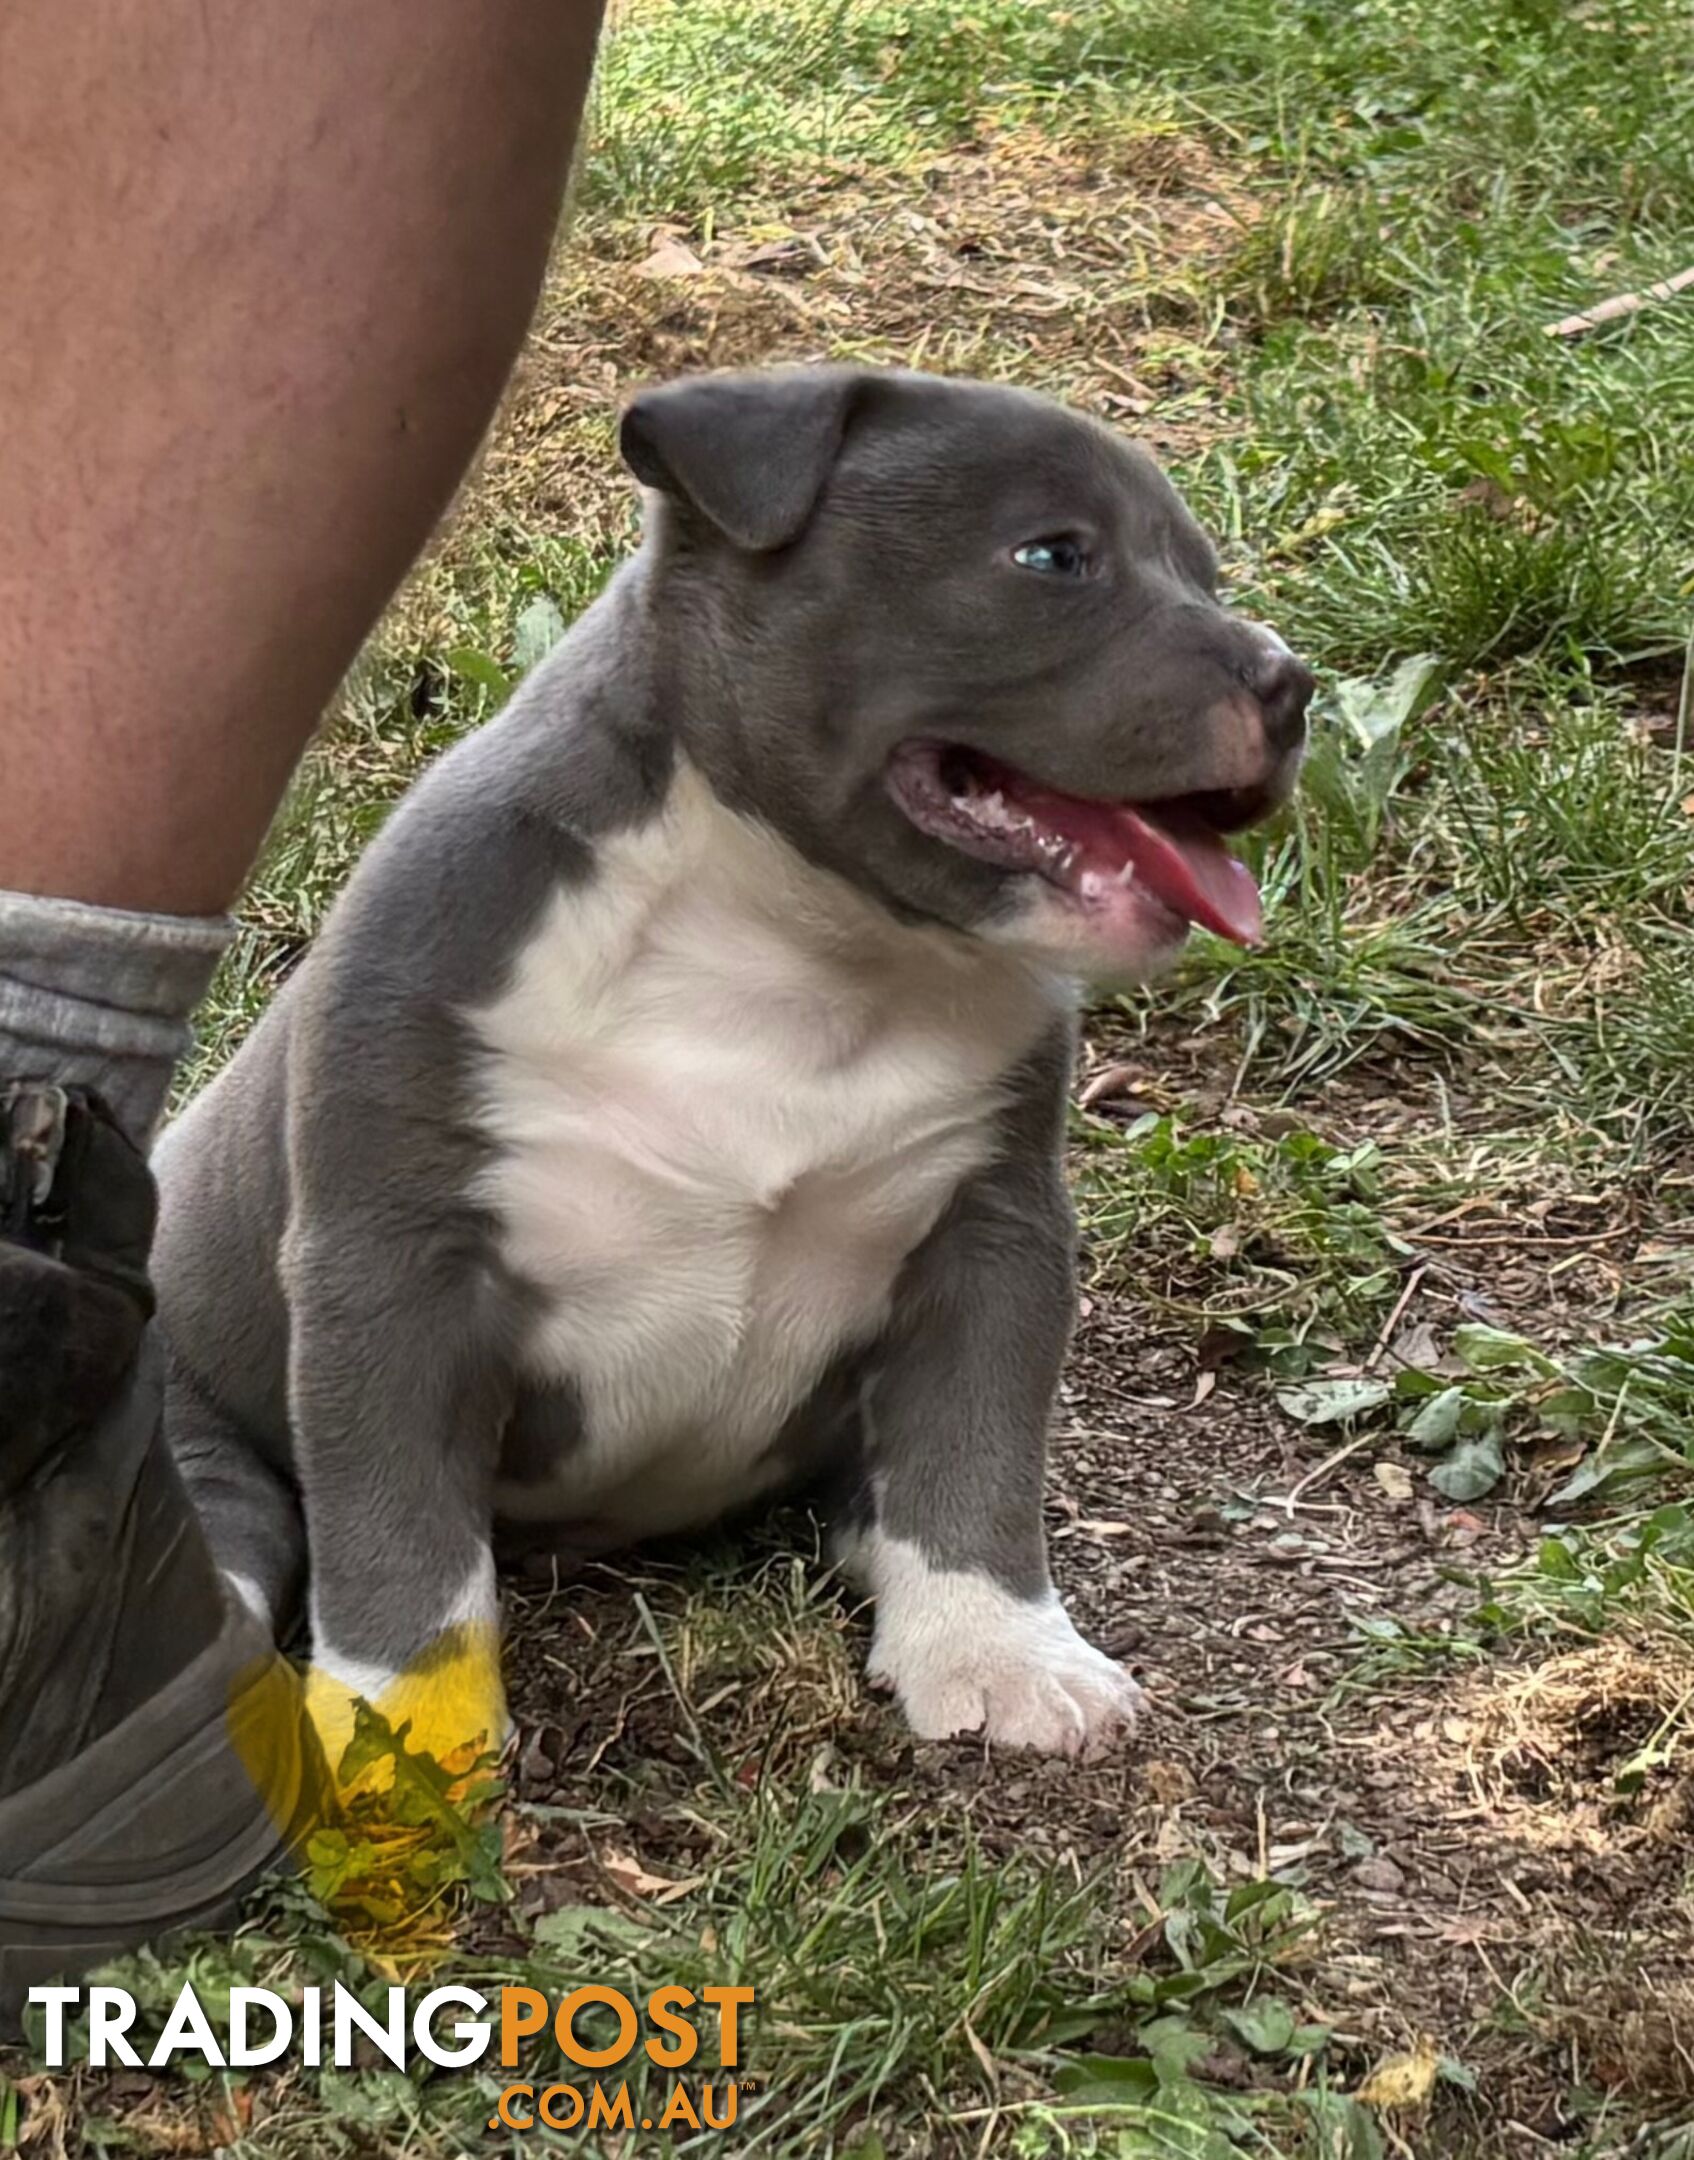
(967, 1657)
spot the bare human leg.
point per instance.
(266, 269)
(266, 266)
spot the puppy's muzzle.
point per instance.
(1263, 734)
(1282, 687)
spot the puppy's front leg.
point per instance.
(398, 1399)
(969, 1629)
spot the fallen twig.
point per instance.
(1393, 1320)
(1292, 1498)
(1605, 311)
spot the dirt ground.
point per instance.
(1482, 1884)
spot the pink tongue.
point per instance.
(1175, 855)
(1184, 863)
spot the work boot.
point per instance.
(153, 1758)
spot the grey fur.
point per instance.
(813, 590)
(964, 1383)
(332, 1162)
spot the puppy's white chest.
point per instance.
(730, 1095)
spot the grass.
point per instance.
(1275, 1241)
(1312, 253)
(910, 1985)
(1510, 870)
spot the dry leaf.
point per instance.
(1402, 2081)
(785, 251)
(630, 1876)
(1203, 1385)
(1417, 1347)
(1115, 1080)
(232, 2117)
(1394, 1478)
(982, 2055)
(671, 259)
(1168, 1782)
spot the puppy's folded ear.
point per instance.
(749, 453)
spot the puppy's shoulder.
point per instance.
(458, 879)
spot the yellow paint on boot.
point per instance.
(272, 1736)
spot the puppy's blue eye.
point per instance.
(1055, 557)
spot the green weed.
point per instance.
(1637, 1570)
(1622, 1415)
(1278, 1238)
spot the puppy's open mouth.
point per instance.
(1171, 854)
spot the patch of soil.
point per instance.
(1491, 1867)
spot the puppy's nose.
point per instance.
(1283, 687)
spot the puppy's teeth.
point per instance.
(1126, 876)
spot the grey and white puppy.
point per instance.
(670, 1112)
